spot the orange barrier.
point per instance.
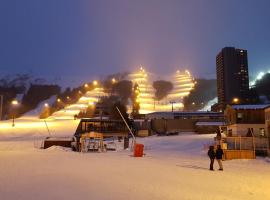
(138, 150)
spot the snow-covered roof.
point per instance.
(209, 123)
(177, 113)
(250, 106)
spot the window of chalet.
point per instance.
(239, 117)
(262, 132)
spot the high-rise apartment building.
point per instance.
(232, 77)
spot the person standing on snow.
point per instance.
(212, 155)
(219, 154)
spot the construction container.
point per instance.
(138, 150)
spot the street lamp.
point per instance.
(95, 83)
(14, 103)
(235, 100)
(172, 102)
(1, 103)
(46, 105)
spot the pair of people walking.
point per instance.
(215, 155)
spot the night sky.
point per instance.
(95, 37)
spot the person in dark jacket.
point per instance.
(212, 155)
(219, 154)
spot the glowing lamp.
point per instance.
(235, 100)
(14, 102)
(95, 83)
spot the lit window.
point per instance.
(239, 115)
(262, 132)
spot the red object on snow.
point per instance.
(138, 150)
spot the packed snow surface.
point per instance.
(174, 167)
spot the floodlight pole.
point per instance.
(172, 102)
(1, 109)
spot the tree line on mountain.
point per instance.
(203, 91)
(121, 93)
(30, 99)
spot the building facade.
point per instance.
(232, 77)
(247, 120)
(172, 122)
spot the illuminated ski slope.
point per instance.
(258, 77)
(182, 84)
(90, 98)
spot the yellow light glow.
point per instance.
(14, 102)
(90, 103)
(113, 80)
(187, 72)
(235, 100)
(95, 83)
(46, 105)
(86, 85)
(58, 100)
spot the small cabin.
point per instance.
(249, 121)
(242, 120)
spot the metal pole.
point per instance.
(172, 102)
(13, 121)
(134, 139)
(47, 128)
(1, 109)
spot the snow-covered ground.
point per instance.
(174, 167)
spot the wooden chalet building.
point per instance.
(249, 121)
